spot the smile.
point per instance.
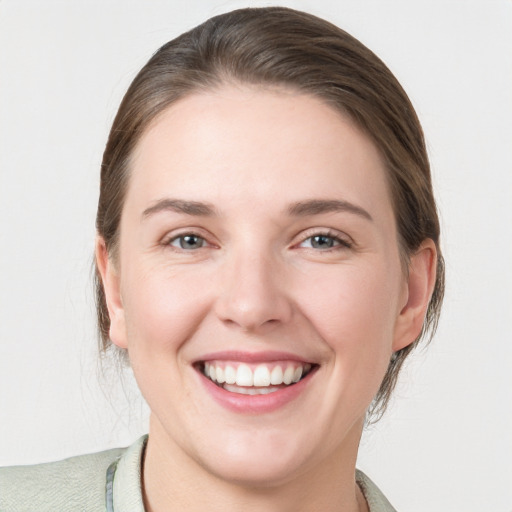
(255, 379)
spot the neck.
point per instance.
(173, 480)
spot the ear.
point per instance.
(111, 286)
(418, 290)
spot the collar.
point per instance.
(124, 483)
(124, 480)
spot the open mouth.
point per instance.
(255, 379)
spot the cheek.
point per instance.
(354, 311)
(162, 308)
(354, 301)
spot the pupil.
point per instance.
(322, 242)
(190, 242)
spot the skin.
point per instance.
(258, 283)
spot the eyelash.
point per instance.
(338, 242)
(169, 241)
(341, 243)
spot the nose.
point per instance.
(252, 293)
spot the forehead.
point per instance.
(240, 142)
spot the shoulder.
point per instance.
(74, 484)
(377, 502)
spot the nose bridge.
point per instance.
(252, 294)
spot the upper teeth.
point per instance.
(242, 374)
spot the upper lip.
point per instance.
(252, 357)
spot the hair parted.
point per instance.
(281, 47)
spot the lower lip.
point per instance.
(255, 404)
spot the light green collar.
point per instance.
(124, 480)
(124, 483)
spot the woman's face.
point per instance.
(258, 245)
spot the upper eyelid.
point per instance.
(341, 243)
(330, 232)
(176, 233)
(210, 239)
(170, 242)
(170, 237)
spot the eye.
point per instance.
(187, 242)
(324, 241)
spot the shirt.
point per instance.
(106, 481)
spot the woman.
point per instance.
(267, 257)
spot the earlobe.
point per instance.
(111, 287)
(419, 288)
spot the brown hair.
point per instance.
(285, 48)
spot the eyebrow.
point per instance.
(195, 208)
(319, 206)
(298, 209)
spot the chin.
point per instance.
(257, 472)
(258, 459)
